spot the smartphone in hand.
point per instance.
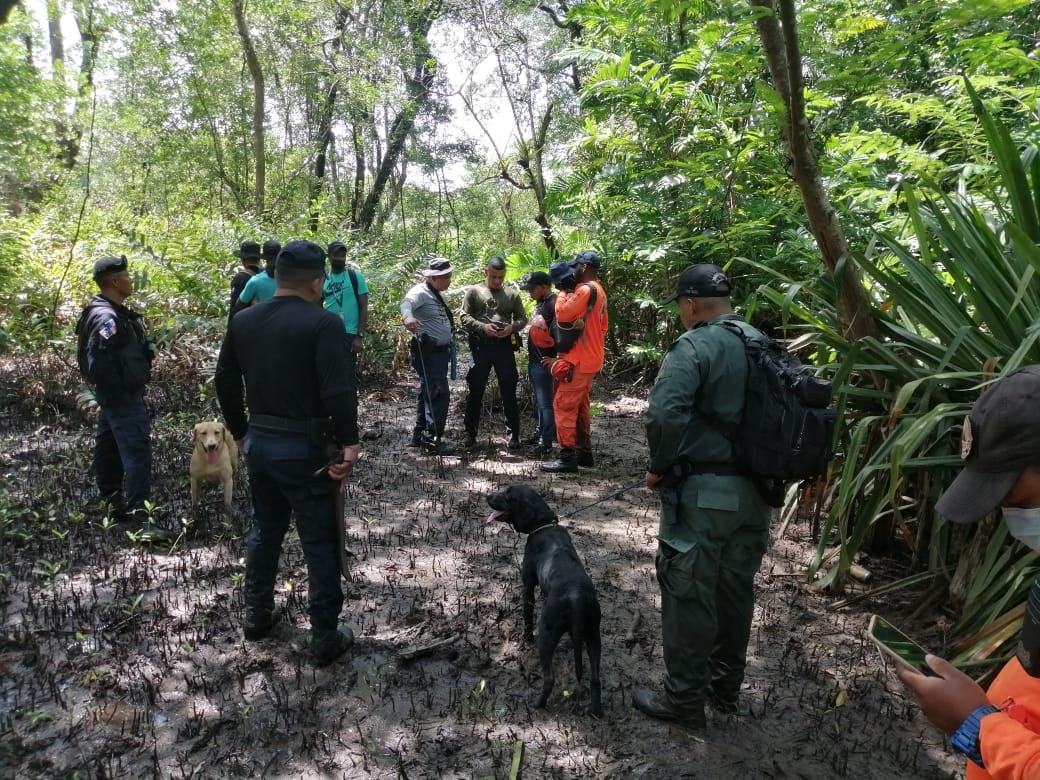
(898, 646)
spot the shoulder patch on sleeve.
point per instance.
(108, 328)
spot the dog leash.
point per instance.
(615, 494)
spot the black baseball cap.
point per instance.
(999, 438)
(588, 257)
(535, 279)
(336, 247)
(110, 265)
(270, 250)
(702, 280)
(248, 250)
(305, 255)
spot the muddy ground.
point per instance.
(124, 660)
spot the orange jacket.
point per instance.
(1010, 740)
(587, 354)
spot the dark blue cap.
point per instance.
(560, 271)
(305, 255)
(588, 257)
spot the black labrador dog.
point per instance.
(569, 603)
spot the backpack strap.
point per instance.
(353, 281)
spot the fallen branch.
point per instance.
(411, 653)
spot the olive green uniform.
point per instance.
(714, 525)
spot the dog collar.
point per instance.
(547, 525)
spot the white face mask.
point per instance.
(1023, 524)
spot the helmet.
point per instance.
(540, 335)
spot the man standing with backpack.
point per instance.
(346, 294)
(714, 525)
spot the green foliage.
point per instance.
(956, 307)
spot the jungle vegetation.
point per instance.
(867, 170)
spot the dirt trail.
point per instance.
(121, 661)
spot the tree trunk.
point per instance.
(321, 158)
(6, 6)
(67, 137)
(357, 196)
(779, 35)
(257, 75)
(418, 84)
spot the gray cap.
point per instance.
(437, 266)
(999, 438)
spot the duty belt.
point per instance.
(684, 469)
(273, 424)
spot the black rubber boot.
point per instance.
(585, 458)
(567, 463)
(657, 706)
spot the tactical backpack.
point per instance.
(786, 430)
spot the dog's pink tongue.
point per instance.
(493, 517)
(211, 456)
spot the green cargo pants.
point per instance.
(713, 533)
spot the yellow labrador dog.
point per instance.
(214, 458)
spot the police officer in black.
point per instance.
(300, 439)
(115, 358)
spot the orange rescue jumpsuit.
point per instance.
(571, 399)
(1010, 740)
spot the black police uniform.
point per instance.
(301, 399)
(115, 358)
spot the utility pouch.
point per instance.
(670, 501)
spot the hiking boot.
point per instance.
(727, 705)
(258, 623)
(531, 440)
(541, 450)
(567, 462)
(326, 648)
(417, 439)
(442, 447)
(470, 441)
(514, 442)
(656, 706)
(585, 458)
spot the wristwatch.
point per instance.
(966, 738)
